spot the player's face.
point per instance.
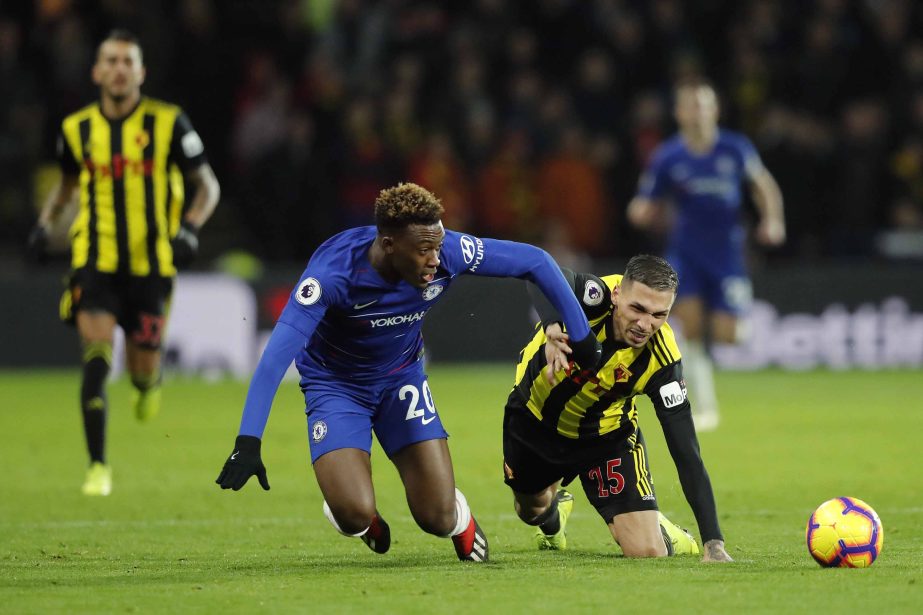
(414, 253)
(118, 71)
(639, 311)
(696, 108)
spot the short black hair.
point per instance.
(400, 206)
(122, 35)
(652, 271)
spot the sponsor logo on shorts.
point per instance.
(319, 431)
(308, 292)
(672, 394)
(592, 293)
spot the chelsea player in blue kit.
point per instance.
(700, 172)
(353, 324)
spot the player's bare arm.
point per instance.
(768, 200)
(61, 197)
(58, 201)
(713, 551)
(207, 193)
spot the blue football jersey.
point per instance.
(706, 190)
(343, 321)
(358, 323)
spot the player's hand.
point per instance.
(556, 351)
(37, 245)
(642, 214)
(714, 551)
(185, 244)
(771, 232)
(243, 463)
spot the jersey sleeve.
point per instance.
(314, 293)
(667, 391)
(654, 182)
(65, 155)
(591, 291)
(750, 158)
(186, 148)
(509, 259)
(284, 343)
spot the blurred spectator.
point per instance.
(437, 166)
(364, 164)
(570, 193)
(505, 202)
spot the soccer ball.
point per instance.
(844, 532)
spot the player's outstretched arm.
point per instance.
(713, 551)
(245, 460)
(528, 262)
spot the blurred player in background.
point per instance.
(123, 158)
(560, 423)
(699, 172)
(353, 324)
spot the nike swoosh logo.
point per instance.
(364, 305)
(234, 455)
(427, 422)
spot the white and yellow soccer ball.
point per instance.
(845, 532)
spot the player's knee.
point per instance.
(352, 517)
(531, 514)
(644, 549)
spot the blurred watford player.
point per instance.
(123, 158)
(560, 423)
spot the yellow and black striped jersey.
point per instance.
(586, 407)
(588, 415)
(131, 185)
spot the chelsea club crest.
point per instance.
(432, 291)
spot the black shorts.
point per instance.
(140, 304)
(613, 469)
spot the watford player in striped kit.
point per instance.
(561, 423)
(124, 159)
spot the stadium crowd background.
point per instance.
(530, 119)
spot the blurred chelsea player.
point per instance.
(700, 172)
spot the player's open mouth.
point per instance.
(637, 337)
(428, 277)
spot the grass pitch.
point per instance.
(169, 540)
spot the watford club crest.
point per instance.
(621, 373)
(143, 139)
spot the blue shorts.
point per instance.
(343, 414)
(722, 284)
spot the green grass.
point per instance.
(168, 540)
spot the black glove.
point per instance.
(587, 352)
(185, 244)
(37, 245)
(243, 463)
